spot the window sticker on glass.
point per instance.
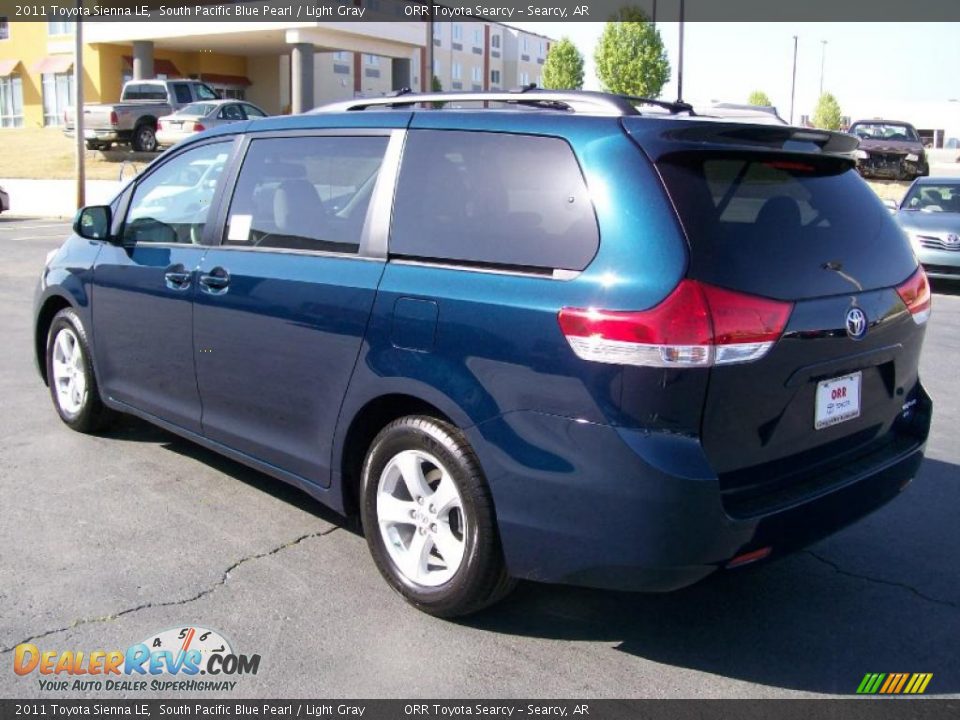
(239, 228)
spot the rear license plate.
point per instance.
(838, 400)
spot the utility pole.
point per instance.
(823, 55)
(793, 84)
(680, 63)
(428, 70)
(78, 124)
(654, 18)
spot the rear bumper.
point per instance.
(593, 505)
(168, 137)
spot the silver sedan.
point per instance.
(930, 214)
(199, 116)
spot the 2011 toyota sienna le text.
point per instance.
(558, 336)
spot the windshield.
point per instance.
(933, 198)
(885, 131)
(203, 92)
(202, 109)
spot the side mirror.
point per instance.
(891, 205)
(93, 222)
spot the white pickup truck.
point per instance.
(133, 120)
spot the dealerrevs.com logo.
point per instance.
(187, 659)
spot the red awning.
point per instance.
(54, 64)
(8, 66)
(160, 67)
(219, 79)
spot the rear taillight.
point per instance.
(198, 127)
(114, 120)
(697, 325)
(915, 294)
(159, 124)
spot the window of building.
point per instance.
(11, 101)
(438, 30)
(305, 193)
(524, 79)
(372, 59)
(457, 31)
(456, 71)
(57, 96)
(172, 204)
(60, 28)
(543, 49)
(524, 43)
(341, 56)
(4, 28)
(477, 74)
(493, 198)
(494, 41)
(436, 67)
(495, 77)
(478, 38)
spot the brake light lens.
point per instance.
(159, 124)
(915, 294)
(697, 325)
(198, 127)
(114, 120)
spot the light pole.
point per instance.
(680, 63)
(823, 55)
(78, 124)
(793, 83)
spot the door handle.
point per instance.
(177, 277)
(215, 282)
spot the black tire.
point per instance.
(91, 415)
(481, 578)
(144, 138)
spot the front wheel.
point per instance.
(73, 385)
(428, 518)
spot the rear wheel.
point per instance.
(144, 138)
(428, 518)
(73, 385)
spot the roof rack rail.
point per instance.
(588, 102)
(674, 107)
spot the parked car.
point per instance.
(889, 149)
(199, 116)
(930, 215)
(4, 201)
(133, 121)
(576, 344)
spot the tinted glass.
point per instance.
(231, 112)
(172, 204)
(885, 131)
(182, 92)
(305, 193)
(153, 92)
(784, 228)
(132, 92)
(493, 198)
(253, 111)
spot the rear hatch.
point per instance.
(838, 393)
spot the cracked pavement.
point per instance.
(108, 540)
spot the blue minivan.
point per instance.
(567, 337)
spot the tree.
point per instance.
(827, 116)
(563, 69)
(759, 97)
(630, 57)
(437, 86)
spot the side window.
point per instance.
(231, 112)
(493, 198)
(305, 193)
(182, 93)
(253, 111)
(204, 92)
(172, 204)
(133, 92)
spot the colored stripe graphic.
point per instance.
(894, 683)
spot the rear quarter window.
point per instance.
(493, 199)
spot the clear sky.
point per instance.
(869, 67)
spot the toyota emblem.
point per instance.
(856, 323)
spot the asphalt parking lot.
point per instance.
(109, 540)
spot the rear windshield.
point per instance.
(783, 227)
(885, 131)
(202, 109)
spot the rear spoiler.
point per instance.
(659, 138)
